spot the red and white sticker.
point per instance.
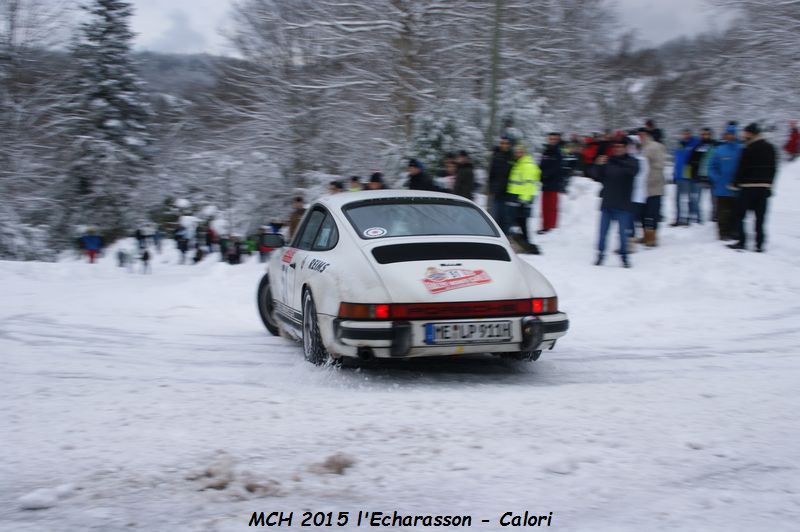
(375, 232)
(288, 255)
(437, 280)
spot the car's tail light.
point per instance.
(358, 311)
(544, 305)
(454, 310)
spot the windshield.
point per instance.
(384, 219)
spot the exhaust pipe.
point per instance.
(365, 353)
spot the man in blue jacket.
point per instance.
(683, 182)
(721, 171)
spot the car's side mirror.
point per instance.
(273, 241)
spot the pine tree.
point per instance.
(111, 145)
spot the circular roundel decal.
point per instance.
(375, 232)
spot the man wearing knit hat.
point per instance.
(418, 179)
(754, 177)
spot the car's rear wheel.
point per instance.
(313, 349)
(266, 306)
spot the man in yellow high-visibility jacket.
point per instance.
(523, 187)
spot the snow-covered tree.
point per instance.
(29, 91)
(755, 73)
(109, 142)
(449, 127)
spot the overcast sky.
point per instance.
(191, 26)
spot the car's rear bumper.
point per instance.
(404, 339)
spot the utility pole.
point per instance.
(490, 134)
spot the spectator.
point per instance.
(656, 133)
(523, 186)
(639, 195)
(141, 238)
(335, 187)
(211, 238)
(656, 155)
(698, 164)
(224, 245)
(792, 146)
(552, 166)
(355, 184)
(298, 210)
(122, 258)
(754, 178)
(182, 242)
(589, 154)
(157, 238)
(499, 169)
(682, 178)
(145, 257)
(235, 250)
(92, 244)
(722, 170)
(198, 254)
(418, 179)
(465, 176)
(449, 179)
(575, 148)
(376, 182)
(263, 249)
(616, 173)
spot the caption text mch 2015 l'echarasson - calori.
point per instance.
(377, 519)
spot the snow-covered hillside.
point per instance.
(159, 402)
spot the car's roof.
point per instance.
(337, 201)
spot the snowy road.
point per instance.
(671, 404)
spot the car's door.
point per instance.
(294, 256)
(321, 236)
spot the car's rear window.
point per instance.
(417, 217)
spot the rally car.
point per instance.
(397, 274)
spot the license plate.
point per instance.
(470, 332)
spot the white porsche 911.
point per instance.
(397, 274)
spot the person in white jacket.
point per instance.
(639, 196)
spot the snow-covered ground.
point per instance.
(159, 402)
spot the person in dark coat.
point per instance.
(754, 178)
(418, 179)
(552, 165)
(616, 173)
(465, 176)
(182, 242)
(140, 238)
(198, 253)
(376, 182)
(656, 133)
(145, 257)
(499, 170)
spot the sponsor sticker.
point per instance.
(375, 232)
(438, 280)
(288, 255)
(318, 265)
